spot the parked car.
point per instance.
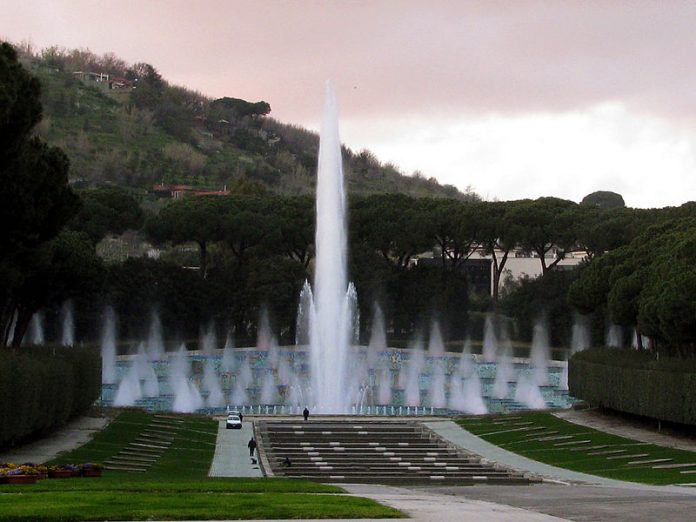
(234, 422)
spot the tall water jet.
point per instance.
(540, 353)
(580, 337)
(155, 342)
(108, 347)
(436, 350)
(332, 330)
(504, 373)
(147, 374)
(208, 342)
(227, 363)
(490, 343)
(211, 384)
(67, 314)
(378, 338)
(36, 329)
(243, 380)
(614, 337)
(187, 397)
(413, 370)
(466, 363)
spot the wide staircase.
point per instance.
(373, 451)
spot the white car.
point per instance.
(234, 422)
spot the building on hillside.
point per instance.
(106, 80)
(180, 191)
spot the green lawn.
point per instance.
(175, 488)
(512, 433)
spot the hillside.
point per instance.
(125, 125)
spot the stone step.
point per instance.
(133, 458)
(119, 466)
(630, 456)
(675, 466)
(649, 461)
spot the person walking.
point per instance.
(252, 446)
(305, 414)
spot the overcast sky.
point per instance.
(515, 99)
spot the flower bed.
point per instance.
(29, 473)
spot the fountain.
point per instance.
(36, 329)
(155, 343)
(614, 337)
(331, 303)
(227, 363)
(540, 353)
(108, 347)
(326, 370)
(68, 324)
(580, 337)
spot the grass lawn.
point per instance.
(175, 488)
(559, 449)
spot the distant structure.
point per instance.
(110, 82)
(180, 191)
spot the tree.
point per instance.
(392, 225)
(604, 199)
(107, 210)
(498, 235)
(35, 200)
(545, 227)
(455, 227)
(189, 220)
(63, 268)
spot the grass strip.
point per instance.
(561, 456)
(176, 487)
(109, 505)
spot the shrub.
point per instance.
(636, 382)
(41, 388)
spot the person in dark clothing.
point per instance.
(252, 446)
(241, 417)
(287, 463)
(305, 414)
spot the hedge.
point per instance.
(42, 387)
(635, 382)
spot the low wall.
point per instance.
(634, 382)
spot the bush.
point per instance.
(635, 382)
(41, 388)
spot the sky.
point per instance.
(514, 99)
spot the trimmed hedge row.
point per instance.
(635, 382)
(42, 387)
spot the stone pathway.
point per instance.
(73, 435)
(426, 506)
(231, 457)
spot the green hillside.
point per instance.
(134, 129)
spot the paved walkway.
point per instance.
(427, 506)
(73, 435)
(231, 457)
